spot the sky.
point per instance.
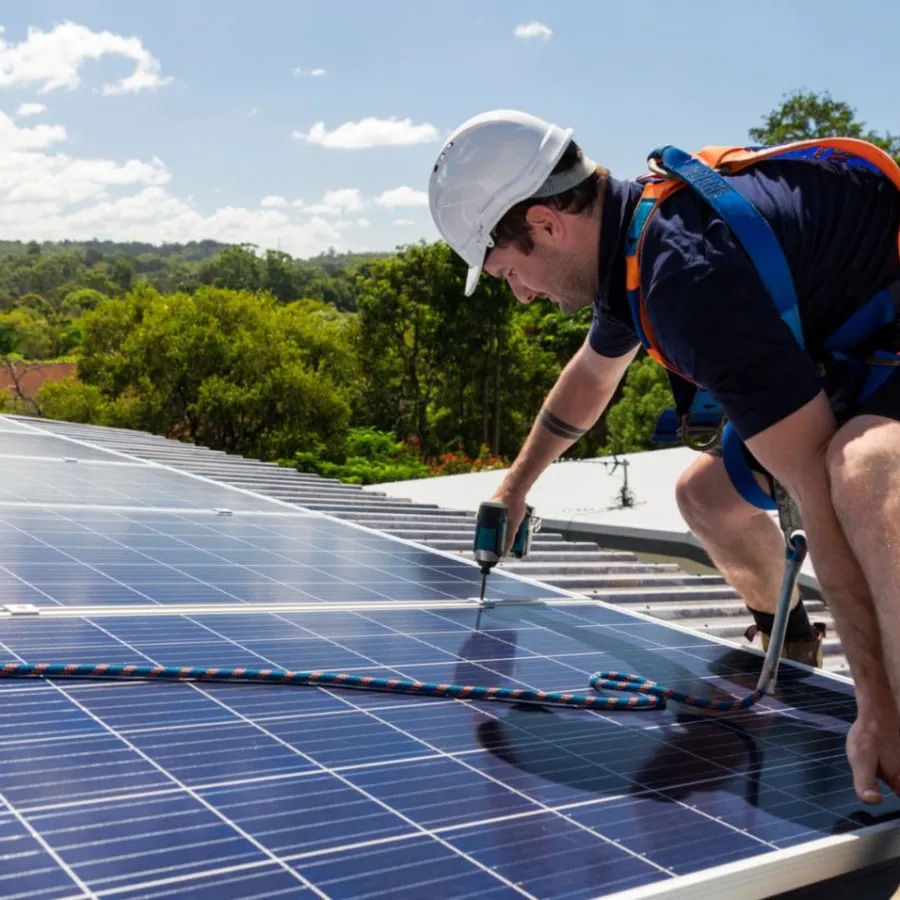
(302, 126)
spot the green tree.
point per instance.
(122, 273)
(804, 114)
(73, 401)
(279, 276)
(645, 394)
(79, 301)
(237, 268)
(24, 331)
(394, 341)
(227, 369)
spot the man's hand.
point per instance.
(873, 751)
(515, 504)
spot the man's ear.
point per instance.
(546, 223)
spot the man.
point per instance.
(516, 197)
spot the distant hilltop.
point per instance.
(192, 251)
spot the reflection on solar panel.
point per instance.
(172, 790)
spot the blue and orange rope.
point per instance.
(649, 694)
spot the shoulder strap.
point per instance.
(751, 229)
(655, 191)
(849, 151)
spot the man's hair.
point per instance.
(514, 229)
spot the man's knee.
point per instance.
(706, 497)
(863, 461)
(691, 493)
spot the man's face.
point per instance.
(551, 270)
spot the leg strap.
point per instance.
(740, 472)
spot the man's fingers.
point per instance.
(864, 765)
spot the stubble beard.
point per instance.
(571, 283)
(576, 289)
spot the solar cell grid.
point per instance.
(639, 798)
(16, 443)
(109, 557)
(164, 790)
(47, 481)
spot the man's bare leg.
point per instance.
(864, 471)
(744, 543)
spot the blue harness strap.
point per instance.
(750, 228)
(765, 252)
(740, 473)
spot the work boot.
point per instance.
(809, 652)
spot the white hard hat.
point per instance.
(490, 163)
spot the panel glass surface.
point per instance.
(238, 791)
(23, 443)
(359, 792)
(41, 481)
(53, 557)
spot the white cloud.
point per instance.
(403, 222)
(48, 195)
(402, 196)
(314, 73)
(30, 109)
(14, 138)
(27, 175)
(369, 132)
(52, 59)
(532, 30)
(338, 202)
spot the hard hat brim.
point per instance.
(472, 279)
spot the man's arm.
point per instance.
(579, 397)
(794, 451)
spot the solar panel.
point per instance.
(94, 557)
(15, 442)
(163, 789)
(112, 483)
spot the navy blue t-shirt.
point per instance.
(710, 312)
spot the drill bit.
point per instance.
(484, 575)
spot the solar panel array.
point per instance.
(163, 790)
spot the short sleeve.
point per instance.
(715, 321)
(610, 336)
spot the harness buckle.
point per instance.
(700, 437)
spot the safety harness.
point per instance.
(697, 419)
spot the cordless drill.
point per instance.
(490, 537)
